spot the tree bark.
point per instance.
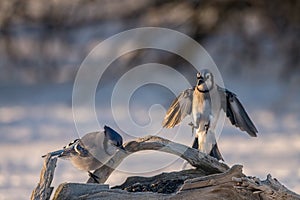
(44, 190)
(192, 156)
(209, 180)
(229, 185)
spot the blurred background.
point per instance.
(255, 45)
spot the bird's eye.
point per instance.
(71, 143)
(207, 76)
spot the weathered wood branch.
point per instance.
(44, 190)
(78, 190)
(267, 189)
(193, 156)
(167, 183)
(230, 185)
(209, 180)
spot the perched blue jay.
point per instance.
(92, 150)
(204, 103)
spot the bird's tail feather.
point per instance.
(195, 144)
(215, 152)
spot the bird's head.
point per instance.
(74, 148)
(205, 81)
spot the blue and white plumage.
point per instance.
(92, 150)
(204, 102)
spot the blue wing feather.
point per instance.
(113, 136)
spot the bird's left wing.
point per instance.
(179, 109)
(113, 135)
(236, 112)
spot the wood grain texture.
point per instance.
(192, 156)
(44, 190)
(209, 180)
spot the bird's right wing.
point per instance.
(179, 109)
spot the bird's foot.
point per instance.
(193, 127)
(206, 127)
(94, 177)
(121, 148)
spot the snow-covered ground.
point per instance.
(37, 119)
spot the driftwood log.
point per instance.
(209, 180)
(192, 156)
(44, 190)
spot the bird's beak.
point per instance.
(200, 80)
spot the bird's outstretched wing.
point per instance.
(179, 109)
(236, 112)
(215, 152)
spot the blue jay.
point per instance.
(92, 150)
(204, 103)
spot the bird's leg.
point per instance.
(193, 127)
(122, 149)
(206, 127)
(94, 177)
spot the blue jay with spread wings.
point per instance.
(204, 102)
